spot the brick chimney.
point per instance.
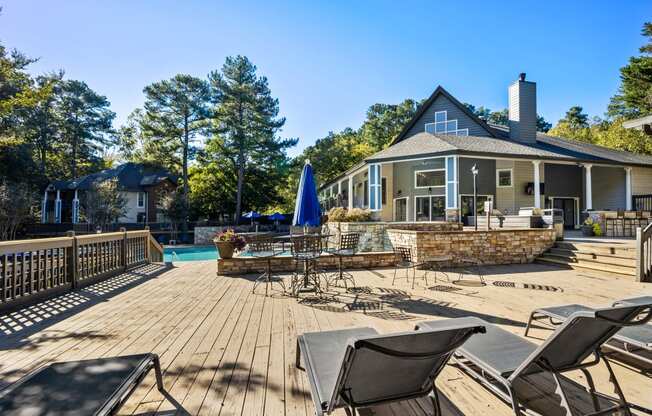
(523, 110)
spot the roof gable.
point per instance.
(441, 99)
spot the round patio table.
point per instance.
(435, 263)
(287, 238)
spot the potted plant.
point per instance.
(587, 227)
(227, 242)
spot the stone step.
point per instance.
(580, 264)
(616, 249)
(596, 257)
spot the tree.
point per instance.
(172, 205)
(246, 121)
(575, 118)
(385, 122)
(17, 206)
(85, 123)
(103, 203)
(501, 118)
(176, 111)
(634, 97)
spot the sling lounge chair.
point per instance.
(631, 341)
(529, 377)
(357, 368)
(89, 387)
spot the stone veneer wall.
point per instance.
(374, 236)
(248, 264)
(490, 247)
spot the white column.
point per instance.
(588, 203)
(537, 184)
(350, 192)
(57, 208)
(628, 189)
(44, 207)
(339, 193)
(75, 209)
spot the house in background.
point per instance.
(141, 186)
(643, 123)
(425, 174)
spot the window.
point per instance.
(504, 178)
(443, 125)
(375, 188)
(384, 192)
(141, 199)
(429, 208)
(429, 178)
(400, 209)
(451, 182)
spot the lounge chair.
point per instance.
(89, 387)
(529, 377)
(631, 341)
(357, 368)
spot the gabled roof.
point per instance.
(130, 176)
(424, 107)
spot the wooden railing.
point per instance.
(31, 270)
(644, 254)
(642, 202)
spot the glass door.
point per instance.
(400, 209)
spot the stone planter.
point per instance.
(225, 249)
(587, 230)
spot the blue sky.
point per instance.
(327, 62)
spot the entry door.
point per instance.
(400, 209)
(567, 205)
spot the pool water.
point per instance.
(172, 254)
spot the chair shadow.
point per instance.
(421, 406)
(17, 326)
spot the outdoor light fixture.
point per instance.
(475, 171)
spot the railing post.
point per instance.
(72, 259)
(640, 255)
(147, 257)
(123, 254)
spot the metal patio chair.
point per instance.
(358, 368)
(347, 247)
(306, 250)
(530, 377)
(404, 260)
(266, 248)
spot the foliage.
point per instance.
(597, 231)
(16, 162)
(176, 110)
(103, 203)
(230, 236)
(172, 206)
(339, 214)
(634, 97)
(17, 206)
(245, 123)
(501, 118)
(588, 221)
(385, 121)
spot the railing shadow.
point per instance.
(19, 325)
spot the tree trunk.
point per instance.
(238, 201)
(186, 139)
(73, 166)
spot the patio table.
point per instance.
(435, 263)
(287, 238)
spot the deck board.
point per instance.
(226, 351)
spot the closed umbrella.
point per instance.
(307, 212)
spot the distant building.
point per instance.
(141, 185)
(643, 123)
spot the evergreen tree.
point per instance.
(634, 97)
(246, 122)
(85, 123)
(176, 111)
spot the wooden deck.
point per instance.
(226, 351)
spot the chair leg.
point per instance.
(529, 322)
(158, 374)
(394, 279)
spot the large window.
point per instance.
(429, 208)
(375, 185)
(429, 178)
(504, 178)
(443, 125)
(141, 199)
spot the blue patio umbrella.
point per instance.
(252, 215)
(307, 212)
(276, 217)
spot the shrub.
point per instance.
(337, 214)
(597, 231)
(358, 215)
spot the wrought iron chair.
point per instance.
(306, 249)
(404, 260)
(347, 247)
(630, 222)
(610, 223)
(266, 249)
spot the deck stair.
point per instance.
(616, 258)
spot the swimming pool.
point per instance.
(192, 253)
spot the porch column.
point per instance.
(340, 200)
(75, 209)
(537, 184)
(57, 208)
(589, 194)
(628, 189)
(44, 208)
(350, 201)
